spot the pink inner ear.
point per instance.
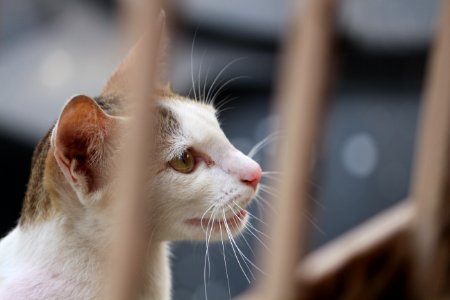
(65, 167)
(80, 136)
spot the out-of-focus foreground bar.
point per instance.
(400, 254)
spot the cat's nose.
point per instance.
(243, 167)
(252, 176)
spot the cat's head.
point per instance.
(200, 180)
(204, 180)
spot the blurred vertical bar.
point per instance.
(302, 92)
(127, 258)
(431, 181)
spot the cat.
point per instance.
(201, 182)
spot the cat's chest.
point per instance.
(45, 284)
(43, 263)
(40, 264)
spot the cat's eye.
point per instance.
(184, 163)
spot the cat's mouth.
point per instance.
(233, 221)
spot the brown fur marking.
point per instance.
(37, 204)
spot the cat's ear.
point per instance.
(121, 80)
(80, 140)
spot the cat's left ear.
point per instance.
(80, 141)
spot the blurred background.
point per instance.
(53, 49)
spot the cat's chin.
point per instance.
(218, 229)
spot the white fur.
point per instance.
(63, 257)
(184, 196)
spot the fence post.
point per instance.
(302, 91)
(431, 181)
(129, 233)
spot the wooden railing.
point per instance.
(143, 19)
(403, 253)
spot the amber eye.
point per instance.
(184, 163)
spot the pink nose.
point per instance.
(253, 176)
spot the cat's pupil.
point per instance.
(184, 163)
(185, 157)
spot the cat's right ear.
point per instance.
(123, 78)
(80, 140)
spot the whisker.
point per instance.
(220, 73)
(202, 99)
(316, 226)
(261, 144)
(259, 208)
(225, 261)
(207, 248)
(259, 240)
(245, 258)
(192, 63)
(267, 203)
(245, 240)
(219, 90)
(205, 83)
(247, 243)
(203, 216)
(189, 93)
(271, 173)
(249, 213)
(310, 219)
(252, 227)
(259, 231)
(271, 191)
(271, 177)
(268, 190)
(225, 101)
(317, 202)
(207, 261)
(265, 246)
(218, 112)
(230, 237)
(249, 228)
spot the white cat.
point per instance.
(57, 251)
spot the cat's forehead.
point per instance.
(197, 120)
(186, 109)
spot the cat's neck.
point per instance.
(52, 236)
